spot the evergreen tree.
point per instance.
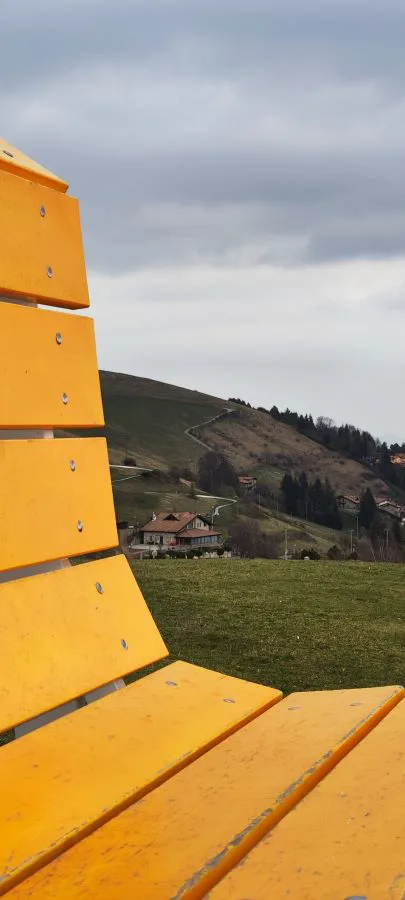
(289, 488)
(215, 472)
(368, 509)
(303, 496)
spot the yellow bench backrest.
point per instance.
(68, 631)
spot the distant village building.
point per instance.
(348, 503)
(391, 508)
(181, 530)
(398, 459)
(247, 481)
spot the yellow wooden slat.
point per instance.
(15, 161)
(67, 632)
(41, 254)
(43, 356)
(346, 840)
(185, 835)
(58, 783)
(55, 500)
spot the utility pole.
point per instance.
(351, 539)
(387, 531)
(286, 544)
(357, 522)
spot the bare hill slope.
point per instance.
(150, 419)
(258, 444)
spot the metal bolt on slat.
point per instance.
(49, 272)
(80, 525)
(65, 399)
(58, 337)
(99, 587)
(72, 465)
(124, 644)
(42, 211)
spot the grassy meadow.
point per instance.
(293, 625)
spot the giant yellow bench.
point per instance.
(188, 782)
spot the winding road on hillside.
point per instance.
(188, 431)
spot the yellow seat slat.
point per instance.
(41, 244)
(43, 356)
(58, 783)
(346, 840)
(67, 632)
(185, 835)
(55, 500)
(13, 160)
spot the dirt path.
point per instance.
(188, 431)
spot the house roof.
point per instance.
(174, 515)
(171, 526)
(198, 532)
(169, 522)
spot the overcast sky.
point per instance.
(240, 166)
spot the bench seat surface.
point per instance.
(346, 839)
(60, 781)
(184, 835)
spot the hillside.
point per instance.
(149, 419)
(266, 448)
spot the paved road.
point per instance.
(189, 434)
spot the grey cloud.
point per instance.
(295, 143)
(219, 31)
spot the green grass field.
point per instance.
(296, 626)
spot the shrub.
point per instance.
(129, 461)
(335, 553)
(311, 553)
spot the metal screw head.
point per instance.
(72, 465)
(7, 153)
(65, 399)
(124, 644)
(42, 211)
(228, 700)
(49, 272)
(99, 587)
(80, 525)
(58, 337)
